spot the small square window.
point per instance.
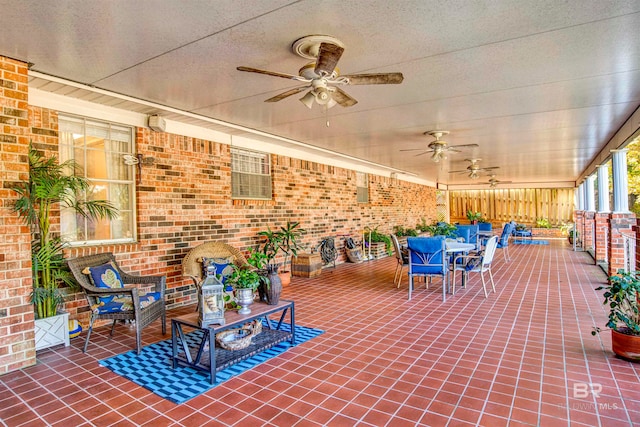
(250, 175)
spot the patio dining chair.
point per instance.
(428, 258)
(402, 258)
(479, 263)
(503, 241)
(103, 282)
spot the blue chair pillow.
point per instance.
(105, 276)
(223, 267)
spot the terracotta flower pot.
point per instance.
(626, 346)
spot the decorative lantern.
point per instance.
(211, 300)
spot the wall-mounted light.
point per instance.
(138, 160)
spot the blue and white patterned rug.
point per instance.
(152, 369)
(529, 242)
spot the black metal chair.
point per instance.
(402, 257)
(141, 309)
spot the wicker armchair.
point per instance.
(142, 316)
(192, 262)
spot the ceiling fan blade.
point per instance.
(328, 56)
(343, 98)
(375, 79)
(462, 171)
(273, 73)
(286, 94)
(464, 146)
(415, 149)
(489, 168)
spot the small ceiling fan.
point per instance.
(474, 169)
(439, 148)
(322, 76)
(493, 181)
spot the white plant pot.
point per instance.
(52, 331)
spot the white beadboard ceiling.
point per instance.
(541, 86)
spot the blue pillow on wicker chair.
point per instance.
(105, 276)
(223, 267)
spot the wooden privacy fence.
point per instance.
(520, 205)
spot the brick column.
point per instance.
(602, 232)
(588, 241)
(579, 221)
(17, 346)
(620, 223)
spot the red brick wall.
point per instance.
(16, 313)
(183, 199)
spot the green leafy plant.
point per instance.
(243, 278)
(543, 223)
(377, 237)
(400, 231)
(260, 262)
(422, 226)
(289, 239)
(285, 240)
(60, 185)
(442, 229)
(621, 294)
(474, 216)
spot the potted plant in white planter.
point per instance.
(52, 184)
(622, 294)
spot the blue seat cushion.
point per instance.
(105, 276)
(123, 303)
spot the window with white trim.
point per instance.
(250, 174)
(362, 186)
(99, 149)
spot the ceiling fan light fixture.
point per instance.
(474, 174)
(308, 99)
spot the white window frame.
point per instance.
(250, 175)
(362, 187)
(130, 182)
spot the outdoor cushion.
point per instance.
(123, 303)
(105, 276)
(222, 266)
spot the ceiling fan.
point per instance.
(493, 181)
(474, 169)
(439, 148)
(321, 76)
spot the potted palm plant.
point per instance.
(474, 217)
(60, 185)
(621, 295)
(285, 240)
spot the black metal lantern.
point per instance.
(211, 300)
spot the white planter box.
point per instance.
(52, 331)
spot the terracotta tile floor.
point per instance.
(522, 357)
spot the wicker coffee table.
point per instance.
(206, 357)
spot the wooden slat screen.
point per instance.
(520, 205)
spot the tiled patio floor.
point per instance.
(522, 357)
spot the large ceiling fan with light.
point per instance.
(474, 169)
(439, 148)
(321, 76)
